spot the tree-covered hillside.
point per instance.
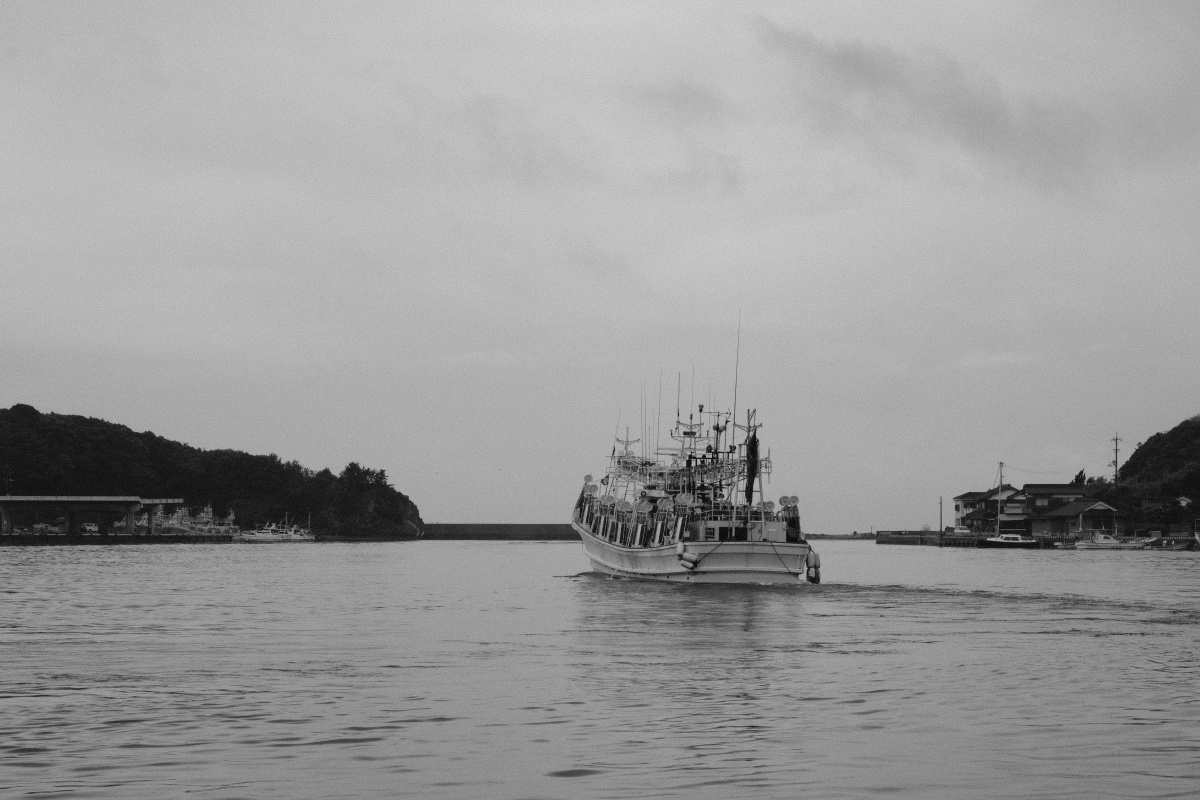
(60, 454)
(1167, 464)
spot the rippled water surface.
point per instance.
(472, 669)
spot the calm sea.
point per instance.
(481, 670)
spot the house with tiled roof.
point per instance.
(970, 508)
(1012, 509)
(1078, 516)
(1044, 496)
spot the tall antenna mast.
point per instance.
(1116, 440)
(678, 395)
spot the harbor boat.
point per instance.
(1102, 540)
(298, 534)
(1164, 544)
(271, 533)
(688, 514)
(265, 535)
(1006, 540)
(1010, 540)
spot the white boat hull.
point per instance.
(719, 562)
(271, 538)
(1110, 546)
(1103, 541)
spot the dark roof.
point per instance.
(984, 494)
(1054, 488)
(1076, 508)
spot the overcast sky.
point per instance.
(460, 241)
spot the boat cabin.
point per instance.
(730, 530)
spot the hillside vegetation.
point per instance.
(60, 454)
(1167, 464)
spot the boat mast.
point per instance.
(737, 358)
(658, 418)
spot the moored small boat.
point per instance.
(1101, 540)
(1014, 541)
(1010, 540)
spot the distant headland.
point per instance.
(63, 454)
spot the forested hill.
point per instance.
(61, 454)
(1167, 464)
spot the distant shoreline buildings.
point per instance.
(1059, 510)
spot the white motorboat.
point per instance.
(1010, 540)
(688, 514)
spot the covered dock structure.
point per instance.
(71, 507)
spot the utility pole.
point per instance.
(1000, 498)
(940, 526)
(1116, 440)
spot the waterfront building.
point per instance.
(1077, 517)
(971, 504)
(1037, 509)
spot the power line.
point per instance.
(1036, 471)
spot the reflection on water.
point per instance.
(466, 669)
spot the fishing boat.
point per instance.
(267, 534)
(272, 533)
(688, 514)
(1010, 540)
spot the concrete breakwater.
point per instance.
(946, 539)
(516, 532)
(907, 537)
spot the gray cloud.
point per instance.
(893, 102)
(685, 102)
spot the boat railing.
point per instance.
(633, 527)
(738, 514)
